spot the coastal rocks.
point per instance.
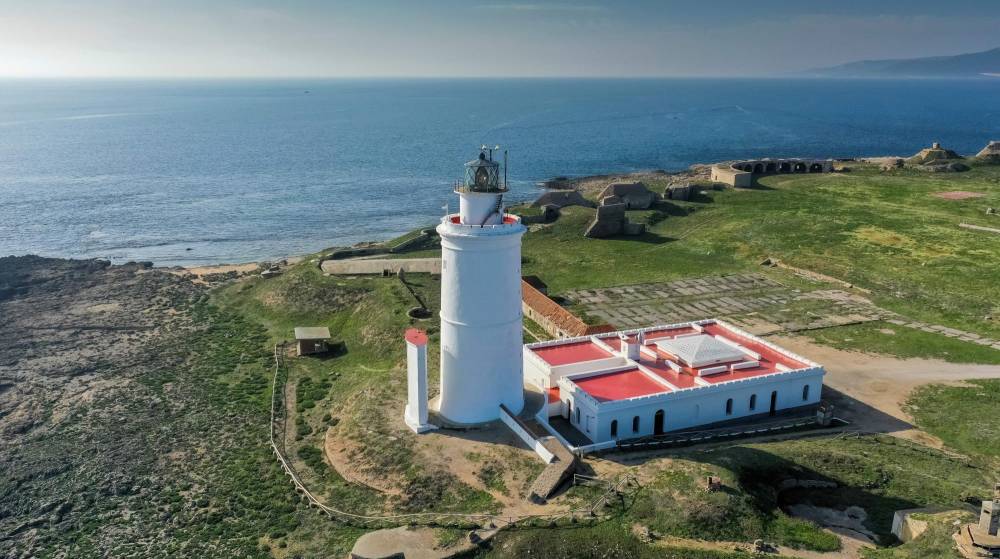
(990, 152)
(934, 153)
(611, 220)
(561, 199)
(558, 183)
(634, 195)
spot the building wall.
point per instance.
(691, 408)
(731, 177)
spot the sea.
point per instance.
(194, 172)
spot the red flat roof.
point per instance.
(767, 354)
(553, 394)
(574, 352)
(614, 341)
(619, 385)
(680, 380)
(764, 369)
(668, 333)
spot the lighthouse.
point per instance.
(481, 322)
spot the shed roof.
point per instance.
(543, 305)
(312, 333)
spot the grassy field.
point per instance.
(884, 232)
(964, 417)
(883, 337)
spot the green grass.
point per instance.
(880, 474)
(609, 539)
(882, 231)
(964, 417)
(935, 543)
(676, 504)
(901, 341)
(362, 383)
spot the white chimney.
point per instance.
(630, 347)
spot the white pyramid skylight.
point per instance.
(700, 350)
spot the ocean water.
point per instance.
(197, 172)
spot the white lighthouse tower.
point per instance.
(481, 336)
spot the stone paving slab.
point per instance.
(751, 298)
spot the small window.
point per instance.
(614, 428)
(805, 392)
(578, 416)
(729, 406)
(635, 424)
(753, 402)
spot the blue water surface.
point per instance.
(197, 172)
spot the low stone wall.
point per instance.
(381, 266)
(535, 444)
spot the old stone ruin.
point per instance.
(990, 152)
(616, 199)
(682, 192)
(982, 539)
(938, 159)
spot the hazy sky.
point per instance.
(222, 38)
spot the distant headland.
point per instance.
(976, 64)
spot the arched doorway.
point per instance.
(774, 402)
(748, 168)
(800, 167)
(816, 168)
(785, 167)
(658, 423)
(758, 168)
(770, 168)
(614, 428)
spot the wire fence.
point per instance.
(616, 491)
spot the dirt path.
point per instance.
(870, 390)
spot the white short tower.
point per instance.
(481, 323)
(416, 381)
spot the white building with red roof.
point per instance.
(650, 381)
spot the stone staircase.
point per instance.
(557, 471)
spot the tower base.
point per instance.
(416, 426)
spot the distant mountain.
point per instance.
(962, 65)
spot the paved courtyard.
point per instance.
(751, 300)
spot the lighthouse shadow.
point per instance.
(646, 237)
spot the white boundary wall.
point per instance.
(529, 440)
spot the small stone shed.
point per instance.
(634, 195)
(311, 339)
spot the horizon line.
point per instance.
(789, 75)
